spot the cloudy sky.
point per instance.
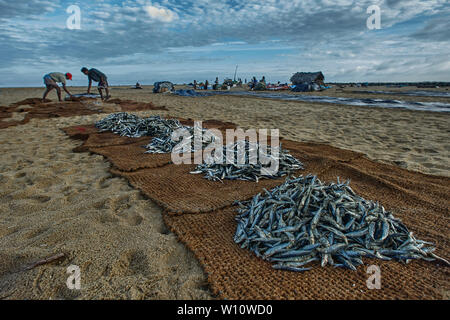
(182, 40)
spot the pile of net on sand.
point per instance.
(304, 220)
(35, 108)
(240, 161)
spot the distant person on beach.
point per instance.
(195, 84)
(254, 83)
(206, 85)
(51, 81)
(216, 84)
(97, 76)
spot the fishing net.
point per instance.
(79, 107)
(235, 273)
(176, 182)
(420, 201)
(131, 157)
(80, 132)
(304, 220)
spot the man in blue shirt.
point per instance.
(97, 76)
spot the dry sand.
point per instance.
(55, 201)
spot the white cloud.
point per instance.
(272, 37)
(161, 14)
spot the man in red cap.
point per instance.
(51, 81)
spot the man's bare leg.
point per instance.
(107, 93)
(58, 90)
(47, 91)
(101, 93)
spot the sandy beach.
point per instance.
(53, 200)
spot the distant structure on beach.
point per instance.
(308, 78)
(163, 86)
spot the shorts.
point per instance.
(49, 82)
(103, 84)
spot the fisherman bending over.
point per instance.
(97, 76)
(51, 81)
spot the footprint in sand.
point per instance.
(108, 218)
(100, 204)
(130, 262)
(120, 203)
(134, 219)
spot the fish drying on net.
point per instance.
(163, 142)
(304, 221)
(122, 123)
(248, 170)
(130, 125)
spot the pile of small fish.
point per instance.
(163, 142)
(130, 125)
(161, 130)
(304, 220)
(230, 168)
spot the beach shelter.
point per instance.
(163, 86)
(307, 81)
(308, 78)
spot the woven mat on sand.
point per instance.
(35, 108)
(421, 201)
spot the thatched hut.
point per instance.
(163, 86)
(308, 78)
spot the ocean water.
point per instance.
(414, 93)
(368, 102)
